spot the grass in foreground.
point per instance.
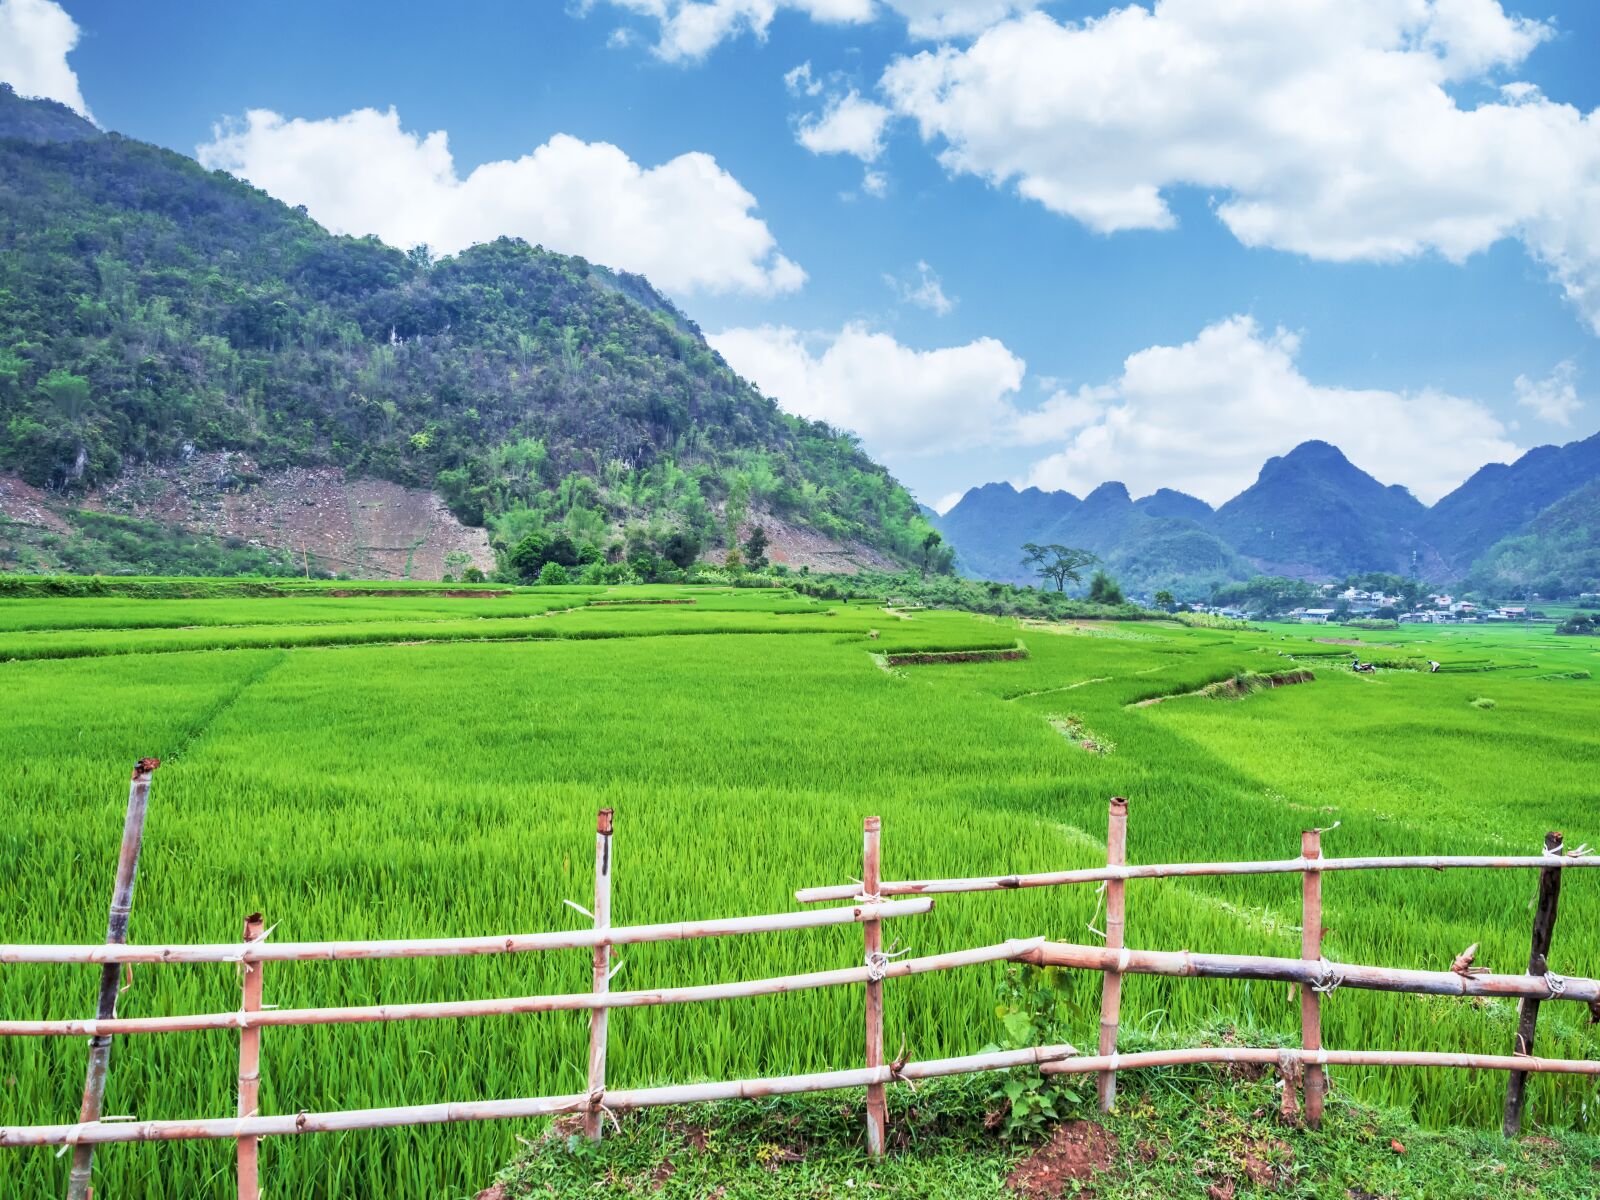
(1195, 1133)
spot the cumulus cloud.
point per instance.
(688, 30)
(937, 19)
(925, 291)
(1329, 128)
(1203, 416)
(687, 223)
(901, 401)
(848, 125)
(691, 29)
(35, 38)
(1553, 398)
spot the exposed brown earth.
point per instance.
(1074, 1155)
(796, 547)
(364, 528)
(367, 528)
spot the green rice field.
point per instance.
(377, 766)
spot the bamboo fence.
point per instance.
(870, 904)
(1315, 976)
(254, 951)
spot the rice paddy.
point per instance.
(428, 765)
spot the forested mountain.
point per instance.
(1312, 511)
(151, 311)
(1155, 541)
(990, 524)
(1500, 499)
(1313, 514)
(1557, 555)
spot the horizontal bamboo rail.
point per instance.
(1321, 1058)
(576, 939)
(100, 1132)
(566, 1002)
(1285, 866)
(1328, 975)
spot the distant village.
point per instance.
(1358, 604)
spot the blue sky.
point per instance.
(1070, 274)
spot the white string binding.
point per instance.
(877, 963)
(1329, 981)
(1100, 897)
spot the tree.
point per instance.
(930, 544)
(1057, 563)
(681, 549)
(755, 549)
(553, 572)
(1104, 590)
(1164, 599)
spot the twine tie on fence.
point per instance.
(1556, 983)
(1582, 851)
(1123, 960)
(1099, 902)
(1329, 981)
(597, 1101)
(877, 962)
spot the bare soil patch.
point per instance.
(1075, 1154)
(917, 658)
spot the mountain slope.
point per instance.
(1145, 543)
(151, 310)
(1500, 499)
(989, 525)
(1557, 555)
(1312, 511)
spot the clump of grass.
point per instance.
(1481, 702)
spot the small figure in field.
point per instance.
(1360, 666)
(1433, 667)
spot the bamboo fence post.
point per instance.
(250, 1068)
(94, 1086)
(1316, 1079)
(1111, 988)
(872, 931)
(593, 1117)
(1544, 924)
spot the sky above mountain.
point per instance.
(1051, 242)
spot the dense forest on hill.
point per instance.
(150, 309)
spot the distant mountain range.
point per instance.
(1313, 514)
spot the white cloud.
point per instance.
(688, 30)
(946, 502)
(1553, 398)
(35, 38)
(687, 223)
(926, 291)
(801, 82)
(1324, 127)
(902, 402)
(936, 19)
(848, 125)
(691, 29)
(1203, 416)
(875, 183)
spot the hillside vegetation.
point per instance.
(150, 310)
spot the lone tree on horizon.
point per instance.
(1058, 563)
